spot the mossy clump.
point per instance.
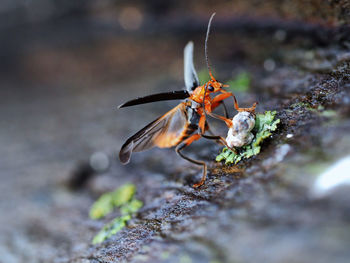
(265, 124)
(122, 198)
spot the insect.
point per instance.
(185, 123)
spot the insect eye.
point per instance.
(211, 88)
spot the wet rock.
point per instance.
(260, 210)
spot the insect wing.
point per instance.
(165, 131)
(172, 95)
(190, 74)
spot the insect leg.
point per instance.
(226, 94)
(216, 104)
(225, 110)
(251, 109)
(202, 124)
(216, 101)
(216, 116)
(184, 144)
(207, 128)
(218, 139)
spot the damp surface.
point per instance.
(54, 118)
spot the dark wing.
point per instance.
(190, 75)
(172, 95)
(165, 131)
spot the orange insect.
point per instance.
(186, 122)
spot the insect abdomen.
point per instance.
(192, 124)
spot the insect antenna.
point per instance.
(206, 46)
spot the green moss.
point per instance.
(165, 255)
(300, 105)
(103, 206)
(122, 198)
(123, 194)
(203, 76)
(320, 110)
(240, 83)
(108, 201)
(111, 229)
(265, 124)
(185, 259)
(329, 113)
(132, 207)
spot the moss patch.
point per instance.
(203, 75)
(108, 201)
(240, 83)
(123, 198)
(320, 110)
(265, 124)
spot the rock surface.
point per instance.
(57, 107)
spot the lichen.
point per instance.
(122, 198)
(265, 124)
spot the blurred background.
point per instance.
(65, 66)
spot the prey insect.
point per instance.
(185, 123)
